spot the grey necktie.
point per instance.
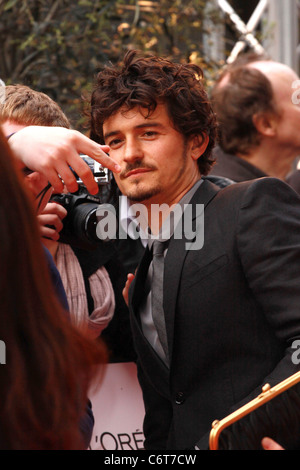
(158, 248)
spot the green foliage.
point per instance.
(58, 47)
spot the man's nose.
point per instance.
(132, 150)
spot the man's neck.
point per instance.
(153, 213)
(159, 211)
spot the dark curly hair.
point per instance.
(148, 81)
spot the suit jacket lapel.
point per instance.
(176, 256)
(173, 266)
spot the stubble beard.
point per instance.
(139, 195)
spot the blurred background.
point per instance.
(57, 47)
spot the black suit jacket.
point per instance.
(232, 312)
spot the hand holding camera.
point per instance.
(51, 221)
(80, 221)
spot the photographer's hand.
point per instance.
(51, 220)
(269, 444)
(53, 150)
(125, 291)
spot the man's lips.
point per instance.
(136, 172)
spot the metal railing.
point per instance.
(283, 16)
(244, 30)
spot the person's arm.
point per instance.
(86, 425)
(269, 249)
(57, 282)
(53, 151)
(268, 242)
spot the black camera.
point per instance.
(79, 226)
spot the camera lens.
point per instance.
(85, 222)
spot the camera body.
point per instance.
(79, 226)
(80, 223)
(102, 175)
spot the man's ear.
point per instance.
(199, 145)
(265, 124)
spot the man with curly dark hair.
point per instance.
(231, 278)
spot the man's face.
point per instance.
(288, 123)
(157, 164)
(36, 183)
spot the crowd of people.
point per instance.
(210, 318)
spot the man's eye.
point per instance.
(114, 143)
(150, 134)
(26, 171)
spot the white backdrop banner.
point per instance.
(118, 410)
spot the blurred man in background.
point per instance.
(258, 120)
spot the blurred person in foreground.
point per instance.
(231, 278)
(258, 120)
(23, 107)
(50, 366)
